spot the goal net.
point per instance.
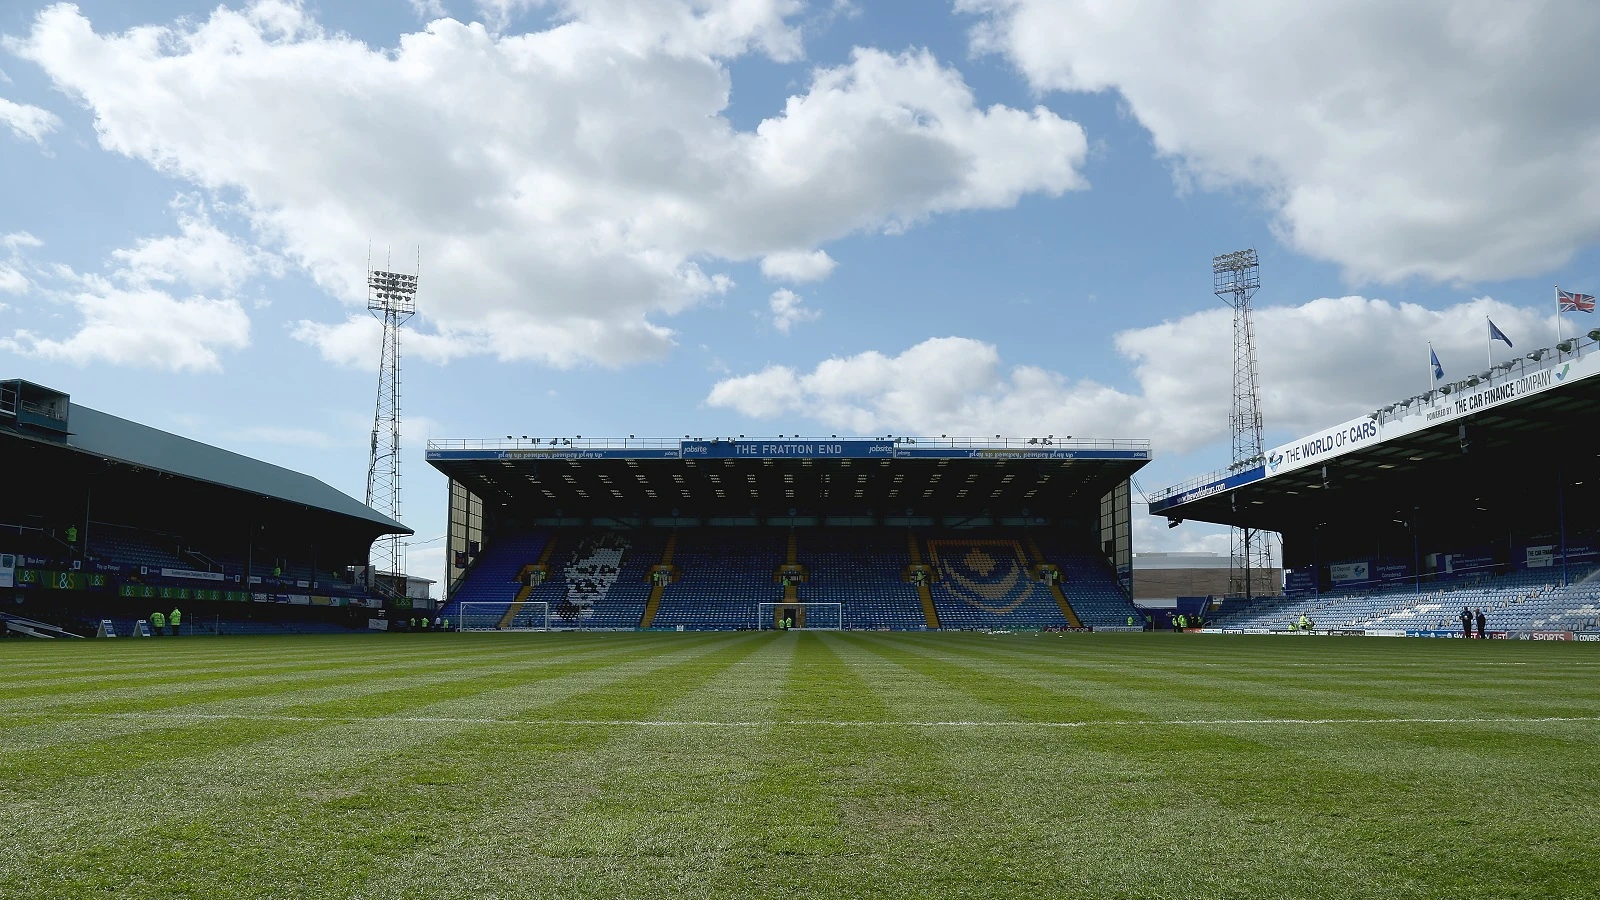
(814, 616)
(530, 616)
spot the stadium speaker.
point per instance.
(1466, 439)
(1173, 522)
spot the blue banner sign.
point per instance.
(1206, 490)
(780, 449)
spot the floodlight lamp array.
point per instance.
(395, 290)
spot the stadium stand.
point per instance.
(983, 577)
(1513, 602)
(1477, 494)
(116, 520)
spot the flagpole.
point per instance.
(1430, 373)
(1558, 314)
(1488, 344)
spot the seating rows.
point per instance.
(983, 577)
(1517, 601)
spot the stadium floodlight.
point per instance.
(1235, 278)
(392, 299)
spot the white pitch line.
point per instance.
(800, 723)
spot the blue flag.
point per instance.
(1433, 359)
(1496, 334)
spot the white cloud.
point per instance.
(429, 9)
(277, 434)
(19, 240)
(200, 254)
(716, 28)
(569, 188)
(789, 310)
(800, 266)
(1432, 138)
(12, 281)
(355, 342)
(29, 122)
(131, 317)
(1321, 363)
(144, 328)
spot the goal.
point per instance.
(530, 616)
(812, 616)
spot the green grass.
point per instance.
(811, 764)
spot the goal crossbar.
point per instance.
(810, 615)
(531, 615)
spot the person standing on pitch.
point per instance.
(175, 619)
(1466, 622)
(1483, 621)
(158, 624)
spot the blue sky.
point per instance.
(620, 206)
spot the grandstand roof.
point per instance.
(770, 476)
(106, 436)
(1533, 403)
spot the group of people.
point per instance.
(1183, 620)
(1469, 618)
(423, 623)
(160, 621)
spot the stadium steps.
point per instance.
(527, 586)
(791, 592)
(521, 597)
(1055, 589)
(654, 603)
(924, 590)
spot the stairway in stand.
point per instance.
(924, 590)
(527, 585)
(654, 603)
(1055, 589)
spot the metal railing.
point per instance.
(1511, 370)
(579, 442)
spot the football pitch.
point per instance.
(805, 764)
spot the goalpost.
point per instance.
(812, 616)
(533, 615)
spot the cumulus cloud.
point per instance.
(20, 240)
(145, 328)
(1432, 138)
(132, 317)
(200, 254)
(1321, 362)
(813, 266)
(570, 187)
(28, 122)
(429, 9)
(789, 310)
(12, 281)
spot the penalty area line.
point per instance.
(808, 723)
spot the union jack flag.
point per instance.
(1571, 302)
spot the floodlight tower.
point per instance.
(391, 298)
(1235, 279)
